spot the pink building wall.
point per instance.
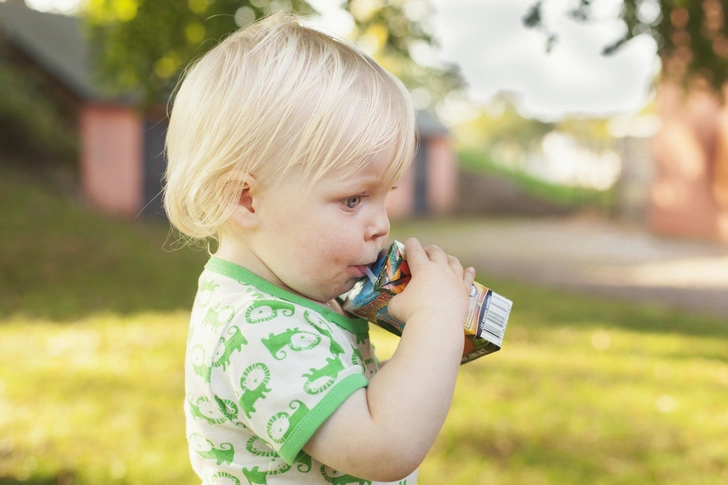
(689, 153)
(442, 175)
(442, 181)
(112, 158)
(400, 202)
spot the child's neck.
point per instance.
(243, 256)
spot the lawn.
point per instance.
(93, 316)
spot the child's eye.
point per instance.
(352, 202)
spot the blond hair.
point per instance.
(271, 97)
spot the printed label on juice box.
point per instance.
(488, 314)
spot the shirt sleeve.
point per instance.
(293, 371)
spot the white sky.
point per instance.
(487, 39)
(496, 53)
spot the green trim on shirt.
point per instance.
(232, 270)
(320, 413)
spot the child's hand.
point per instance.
(439, 285)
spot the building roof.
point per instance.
(428, 125)
(55, 42)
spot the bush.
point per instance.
(563, 196)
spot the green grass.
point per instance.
(93, 317)
(564, 195)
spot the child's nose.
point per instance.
(379, 226)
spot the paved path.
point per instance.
(594, 257)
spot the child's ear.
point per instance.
(244, 213)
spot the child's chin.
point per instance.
(339, 290)
(349, 285)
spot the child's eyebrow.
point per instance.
(362, 181)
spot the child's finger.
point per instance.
(436, 254)
(469, 278)
(416, 255)
(455, 265)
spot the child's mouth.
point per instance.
(365, 271)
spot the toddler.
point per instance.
(283, 145)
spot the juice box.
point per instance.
(484, 326)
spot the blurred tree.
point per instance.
(501, 138)
(35, 130)
(594, 131)
(501, 123)
(143, 45)
(398, 34)
(691, 35)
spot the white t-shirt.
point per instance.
(264, 369)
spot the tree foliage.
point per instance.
(400, 27)
(143, 45)
(501, 123)
(691, 35)
(35, 129)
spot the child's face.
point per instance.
(317, 241)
